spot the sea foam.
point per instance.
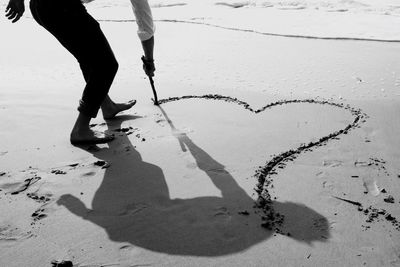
(377, 20)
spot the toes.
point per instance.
(132, 102)
(119, 108)
(126, 105)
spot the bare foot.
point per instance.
(87, 136)
(112, 109)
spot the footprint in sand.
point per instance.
(39, 214)
(12, 233)
(370, 186)
(40, 198)
(375, 163)
(18, 187)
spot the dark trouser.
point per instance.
(81, 35)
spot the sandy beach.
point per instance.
(265, 151)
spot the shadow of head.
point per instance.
(302, 223)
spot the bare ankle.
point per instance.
(82, 123)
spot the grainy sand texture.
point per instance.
(264, 151)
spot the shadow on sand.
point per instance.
(133, 205)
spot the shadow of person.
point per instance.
(133, 205)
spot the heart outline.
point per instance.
(263, 174)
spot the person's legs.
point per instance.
(81, 35)
(108, 107)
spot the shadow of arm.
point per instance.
(220, 177)
(74, 205)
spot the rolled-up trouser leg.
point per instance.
(81, 35)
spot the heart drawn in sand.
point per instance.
(133, 204)
(264, 174)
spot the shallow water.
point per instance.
(345, 19)
(377, 20)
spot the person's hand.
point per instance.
(148, 66)
(15, 9)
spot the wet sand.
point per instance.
(264, 151)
